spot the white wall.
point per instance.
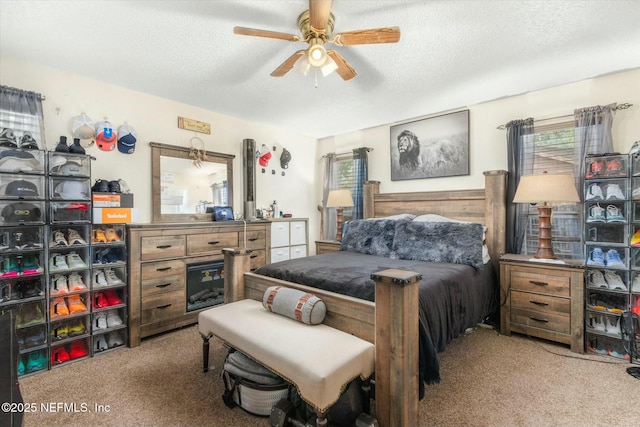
(488, 145)
(155, 119)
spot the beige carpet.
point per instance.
(488, 380)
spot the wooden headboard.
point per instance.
(483, 206)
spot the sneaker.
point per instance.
(598, 324)
(35, 339)
(615, 168)
(101, 186)
(635, 239)
(30, 314)
(36, 361)
(111, 235)
(59, 355)
(60, 331)
(30, 265)
(113, 319)
(596, 214)
(595, 279)
(596, 258)
(124, 187)
(99, 279)
(100, 300)
(112, 297)
(76, 327)
(76, 305)
(9, 267)
(614, 192)
(8, 138)
(614, 281)
(100, 321)
(21, 367)
(77, 349)
(74, 261)
(99, 236)
(114, 339)
(62, 146)
(27, 142)
(100, 344)
(595, 168)
(112, 278)
(58, 240)
(613, 326)
(613, 260)
(636, 284)
(75, 238)
(594, 192)
(58, 263)
(59, 285)
(28, 288)
(76, 283)
(614, 214)
(76, 148)
(114, 187)
(59, 308)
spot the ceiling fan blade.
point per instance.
(319, 12)
(287, 64)
(265, 33)
(374, 35)
(344, 70)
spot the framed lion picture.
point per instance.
(430, 148)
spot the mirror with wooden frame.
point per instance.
(185, 182)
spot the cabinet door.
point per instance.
(299, 251)
(279, 254)
(279, 234)
(298, 233)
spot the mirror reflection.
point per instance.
(186, 189)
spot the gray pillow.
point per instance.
(452, 242)
(297, 305)
(370, 237)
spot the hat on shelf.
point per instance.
(285, 158)
(19, 161)
(264, 155)
(27, 141)
(8, 138)
(72, 190)
(106, 136)
(126, 139)
(71, 168)
(83, 128)
(21, 188)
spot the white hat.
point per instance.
(72, 190)
(83, 127)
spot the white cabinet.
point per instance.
(289, 239)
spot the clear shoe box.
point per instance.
(73, 236)
(108, 299)
(109, 256)
(23, 187)
(65, 330)
(606, 233)
(605, 345)
(22, 289)
(71, 351)
(108, 319)
(33, 361)
(63, 260)
(606, 256)
(607, 301)
(606, 167)
(107, 234)
(66, 283)
(106, 341)
(22, 265)
(606, 190)
(32, 338)
(604, 324)
(105, 277)
(69, 306)
(22, 212)
(70, 212)
(30, 314)
(14, 160)
(604, 280)
(65, 188)
(69, 165)
(25, 238)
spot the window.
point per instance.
(553, 151)
(345, 177)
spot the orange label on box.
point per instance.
(106, 200)
(116, 215)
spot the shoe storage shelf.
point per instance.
(23, 194)
(109, 287)
(610, 224)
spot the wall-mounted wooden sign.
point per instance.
(194, 125)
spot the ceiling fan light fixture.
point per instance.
(317, 55)
(328, 67)
(302, 65)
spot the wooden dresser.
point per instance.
(542, 299)
(158, 258)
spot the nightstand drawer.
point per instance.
(540, 311)
(550, 282)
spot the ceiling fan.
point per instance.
(316, 27)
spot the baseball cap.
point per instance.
(106, 136)
(8, 138)
(21, 188)
(71, 168)
(28, 142)
(126, 139)
(285, 158)
(21, 212)
(19, 161)
(72, 190)
(82, 127)
(264, 155)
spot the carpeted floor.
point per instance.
(488, 380)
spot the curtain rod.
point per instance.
(618, 107)
(369, 149)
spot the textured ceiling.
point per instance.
(451, 54)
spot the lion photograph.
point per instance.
(434, 147)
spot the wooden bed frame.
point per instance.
(392, 322)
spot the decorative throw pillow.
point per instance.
(297, 305)
(453, 242)
(370, 237)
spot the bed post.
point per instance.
(396, 368)
(369, 190)
(236, 263)
(495, 183)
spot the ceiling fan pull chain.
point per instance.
(315, 77)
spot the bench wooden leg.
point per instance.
(205, 351)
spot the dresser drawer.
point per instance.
(210, 242)
(256, 239)
(550, 282)
(541, 311)
(162, 306)
(162, 247)
(257, 259)
(162, 276)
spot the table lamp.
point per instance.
(543, 189)
(340, 198)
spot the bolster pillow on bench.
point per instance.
(297, 305)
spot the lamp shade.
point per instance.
(340, 198)
(549, 188)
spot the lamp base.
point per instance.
(339, 222)
(545, 247)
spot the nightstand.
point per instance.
(543, 299)
(324, 246)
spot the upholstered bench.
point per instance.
(317, 359)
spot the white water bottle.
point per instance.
(274, 208)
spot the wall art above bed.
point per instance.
(430, 148)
